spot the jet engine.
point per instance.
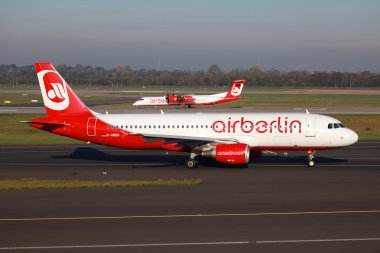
(236, 154)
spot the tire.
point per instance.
(191, 163)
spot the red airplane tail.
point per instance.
(236, 89)
(59, 99)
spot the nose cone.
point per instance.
(352, 137)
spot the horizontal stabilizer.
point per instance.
(46, 123)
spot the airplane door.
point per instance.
(91, 126)
(310, 127)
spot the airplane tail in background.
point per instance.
(236, 89)
(59, 98)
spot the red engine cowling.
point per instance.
(232, 153)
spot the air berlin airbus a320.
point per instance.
(228, 138)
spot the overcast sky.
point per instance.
(341, 35)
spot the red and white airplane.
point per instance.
(229, 138)
(190, 100)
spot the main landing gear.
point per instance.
(193, 161)
(310, 157)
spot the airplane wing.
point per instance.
(190, 141)
(189, 138)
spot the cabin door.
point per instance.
(310, 127)
(91, 126)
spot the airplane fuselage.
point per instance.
(261, 131)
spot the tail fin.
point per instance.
(236, 89)
(59, 98)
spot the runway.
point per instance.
(277, 204)
(199, 109)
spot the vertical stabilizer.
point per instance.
(59, 98)
(236, 89)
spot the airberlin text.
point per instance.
(280, 125)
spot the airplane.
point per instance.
(186, 101)
(228, 138)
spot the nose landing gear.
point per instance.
(310, 157)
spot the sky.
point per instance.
(327, 35)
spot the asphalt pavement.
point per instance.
(277, 204)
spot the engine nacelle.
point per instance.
(237, 154)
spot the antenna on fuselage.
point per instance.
(162, 112)
(307, 112)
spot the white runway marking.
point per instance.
(8, 110)
(320, 240)
(130, 245)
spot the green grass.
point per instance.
(22, 99)
(366, 126)
(305, 100)
(19, 98)
(27, 183)
(14, 133)
(297, 100)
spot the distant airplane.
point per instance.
(229, 138)
(190, 100)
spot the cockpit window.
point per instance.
(335, 125)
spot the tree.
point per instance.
(213, 70)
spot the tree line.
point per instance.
(125, 75)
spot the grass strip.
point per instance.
(27, 183)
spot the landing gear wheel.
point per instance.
(310, 157)
(191, 163)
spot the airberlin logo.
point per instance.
(53, 89)
(231, 153)
(279, 125)
(236, 90)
